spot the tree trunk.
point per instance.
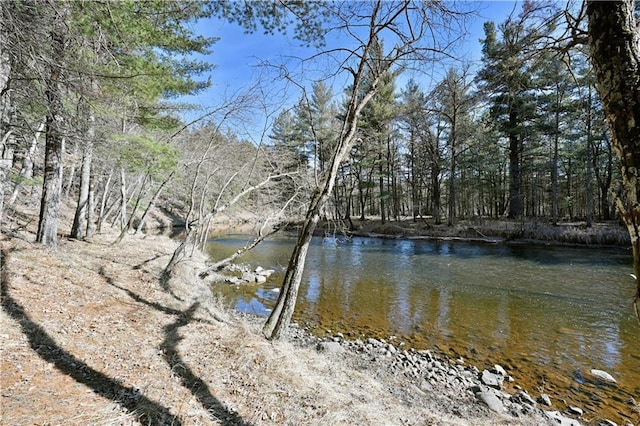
(26, 170)
(614, 41)
(72, 171)
(103, 202)
(383, 217)
(91, 208)
(152, 203)
(123, 199)
(5, 116)
(142, 191)
(554, 164)
(515, 207)
(78, 229)
(435, 191)
(50, 203)
(589, 176)
(283, 311)
(452, 173)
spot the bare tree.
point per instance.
(405, 26)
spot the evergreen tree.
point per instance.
(454, 103)
(505, 79)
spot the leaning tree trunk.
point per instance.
(152, 203)
(283, 311)
(614, 40)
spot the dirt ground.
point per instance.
(90, 335)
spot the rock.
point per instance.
(333, 347)
(491, 379)
(373, 342)
(497, 369)
(248, 277)
(260, 279)
(607, 422)
(603, 375)
(559, 419)
(544, 399)
(577, 411)
(516, 409)
(524, 397)
(263, 272)
(491, 400)
(477, 388)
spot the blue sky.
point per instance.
(238, 58)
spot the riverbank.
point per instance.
(90, 335)
(530, 231)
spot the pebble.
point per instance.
(572, 409)
(491, 401)
(491, 379)
(560, 420)
(522, 396)
(544, 399)
(497, 369)
(333, 347)
(603, 375)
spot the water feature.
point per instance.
(548, 314)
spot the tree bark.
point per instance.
(103, 202)
(123, 199)
(79, 226)
(515, 206)
(5, 119)
(614, 41)
(26, 171)
(50, 203)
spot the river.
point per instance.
(547, 314)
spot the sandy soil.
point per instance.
(90, 335)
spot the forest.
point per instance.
(91, 112)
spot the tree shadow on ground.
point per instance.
(190, 380)
(144, 409)
(138, 298)
(169, 348)
(151, 259)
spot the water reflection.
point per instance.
(544, 311)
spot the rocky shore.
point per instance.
(460, 388)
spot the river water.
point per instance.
(547, 314)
